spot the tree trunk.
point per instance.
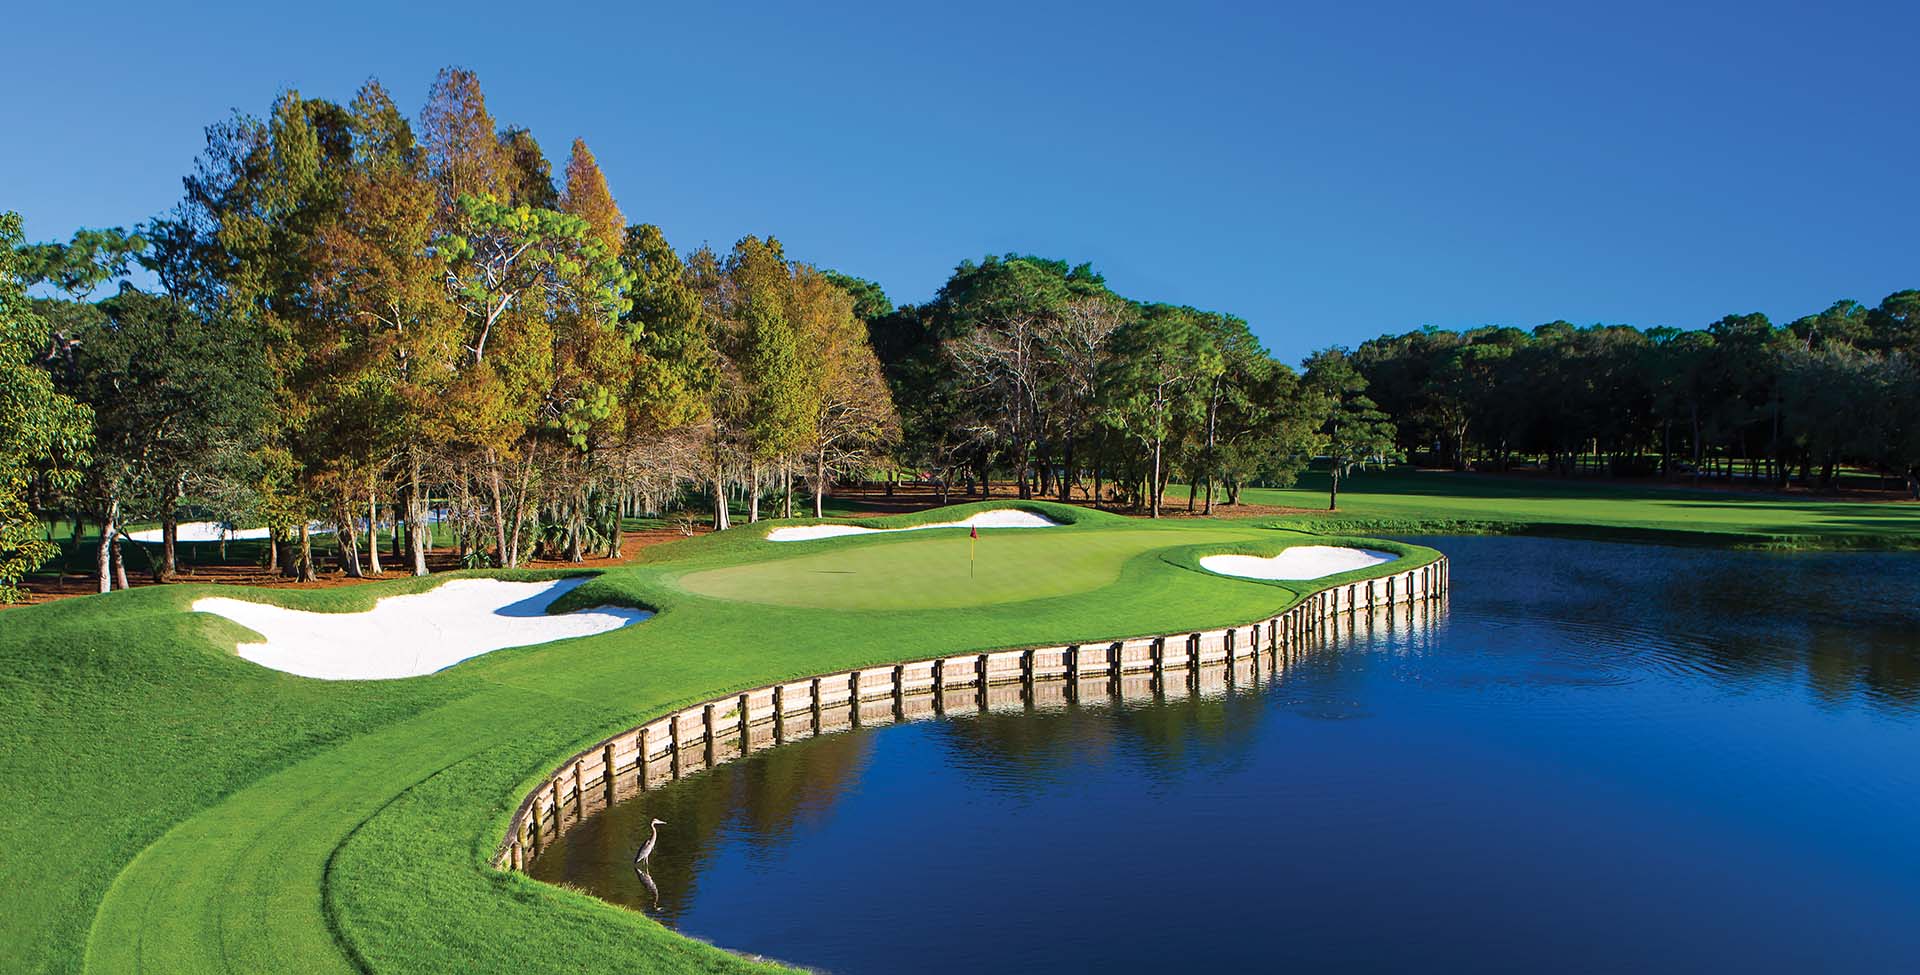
(1333, 491)
(119, 566)
(168, 568)
(109, 523)
(753, 496)
(402, 540)
(307, 573)
(819, 484)
(1695, 417)
(1067, 473)
(373, 534)
(720, 522)
(1153, 486)
(618, 542)
(499, 511)
(416, 515)
(1213, 441)
(786, 477)
(349, 539)
(520, 504)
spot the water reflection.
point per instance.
(1006, 737)
(1597, 757)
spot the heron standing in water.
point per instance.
(646, 849)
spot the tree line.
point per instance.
(1739, 399)
(380, 325)
(356, 319)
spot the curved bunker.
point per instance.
(1003, 518)
(416, 633)
(1296, 563)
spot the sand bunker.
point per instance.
(1004, 518)
(410, 635)
(1299, 562)
(211, 531)
(200, 531)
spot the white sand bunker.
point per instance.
(410, 635)
(212, 531)
(1004, 518)
(1299, 562)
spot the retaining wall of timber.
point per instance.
(712, 732)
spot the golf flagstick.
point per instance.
(973, 532)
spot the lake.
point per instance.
(1592, 757)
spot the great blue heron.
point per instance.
(646, 849)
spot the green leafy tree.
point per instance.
(1159, 359)
(92, 258)
(1354, 431)
(870, 301)
(44, 434)
(517, 273)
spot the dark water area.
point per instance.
(1595, 757)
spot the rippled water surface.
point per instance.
(1598, 757)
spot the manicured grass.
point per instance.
(916, 571)
(177, 809)
(1408, 501)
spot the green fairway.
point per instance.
(1402, 500)
(178, 809)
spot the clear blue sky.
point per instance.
(1329, 172)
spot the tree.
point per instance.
(589, 199)
(44, 434)
(391, 347)
(537, 264)
(1077, 344)
(462, 152)
(869, 299)
(1158, 358)
(1353, 431)
(92, 258)
(175, 398)
(851, 410)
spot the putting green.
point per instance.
(931, 570)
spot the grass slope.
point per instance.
(176, 809)
(1407, 501)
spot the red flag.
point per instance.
(973, 531)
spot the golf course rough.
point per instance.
(179, 809)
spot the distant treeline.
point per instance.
(361, 319)
(379, 323)
(1741, 397)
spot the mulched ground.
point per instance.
(44, 590)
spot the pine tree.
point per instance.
(588, 198)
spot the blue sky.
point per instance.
(1329, 172)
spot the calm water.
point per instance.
(1597, 758)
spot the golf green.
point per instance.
(937, 569)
